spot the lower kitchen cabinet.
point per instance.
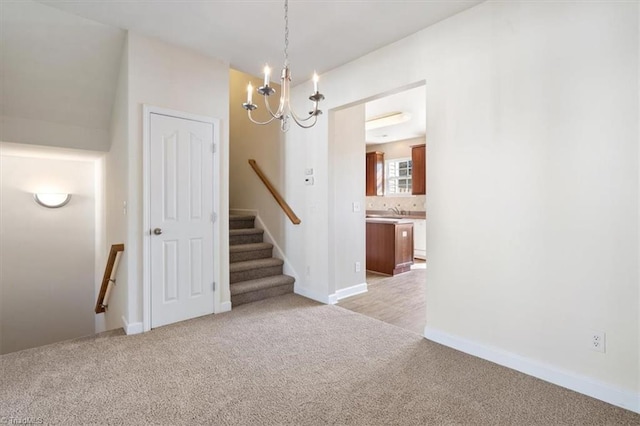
(389, 246)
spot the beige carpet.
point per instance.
(285, 360)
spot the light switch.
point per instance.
(356, 207)
(308, 172)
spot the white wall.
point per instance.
(47, 255)
(167, 76)
(40, 132)
(532, 239)
(117, 196)
(347, 183)
(58, 76)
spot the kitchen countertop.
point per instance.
(393, 220)
(386, 214)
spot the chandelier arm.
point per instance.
(301, 122)
(267, 104)
(260, 122)
(297, 118)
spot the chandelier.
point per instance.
(284, 111)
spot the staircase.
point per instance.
(254, 273)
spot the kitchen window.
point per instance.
(398, 176)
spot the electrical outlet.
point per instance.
(597, 341)
(357, 267)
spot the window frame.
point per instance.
(392, 178)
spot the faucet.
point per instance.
(395, 210)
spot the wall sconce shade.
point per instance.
(51, 200)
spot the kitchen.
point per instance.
(395, 168)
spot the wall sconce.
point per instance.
(51, 200)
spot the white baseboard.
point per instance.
(351, 291)
(309, 294)
(133, 328)
(224, 307)
(582, 384)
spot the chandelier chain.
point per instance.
(286, 33)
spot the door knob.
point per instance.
(157, 231)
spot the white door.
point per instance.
(181, 219)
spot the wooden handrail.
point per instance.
(106, 279)
(283, 204)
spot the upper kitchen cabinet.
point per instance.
(419, 159)
(375, 173)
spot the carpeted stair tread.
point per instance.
(249, 251)
(241, 217)
(255, 264)
(241, 222)
(250, 247)
(245, 236)
(261, 284)
(245, 231)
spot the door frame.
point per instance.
(147, 110)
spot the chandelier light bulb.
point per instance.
(267, 72)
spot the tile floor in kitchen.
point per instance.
(398, 300)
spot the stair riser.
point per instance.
(245, 239)
(241, 224)
(252, 274)
(250, 255)
(254, 296)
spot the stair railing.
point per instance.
(108, 278)
(281, 202)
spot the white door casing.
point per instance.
(181, 218)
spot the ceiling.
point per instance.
(60, 58)
(412, 102)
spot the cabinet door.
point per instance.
(374, 167)
(404, 244)
(419, 160)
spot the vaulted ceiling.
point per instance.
(60, 58)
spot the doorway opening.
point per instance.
(385, 138)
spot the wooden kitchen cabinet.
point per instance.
(419, 161)
(389, 246)
(374, 173)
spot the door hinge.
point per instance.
(214, 286)
(214, 148)
(214, 217)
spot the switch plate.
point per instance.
(356, 207)
(357, 267)
(308, 172)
